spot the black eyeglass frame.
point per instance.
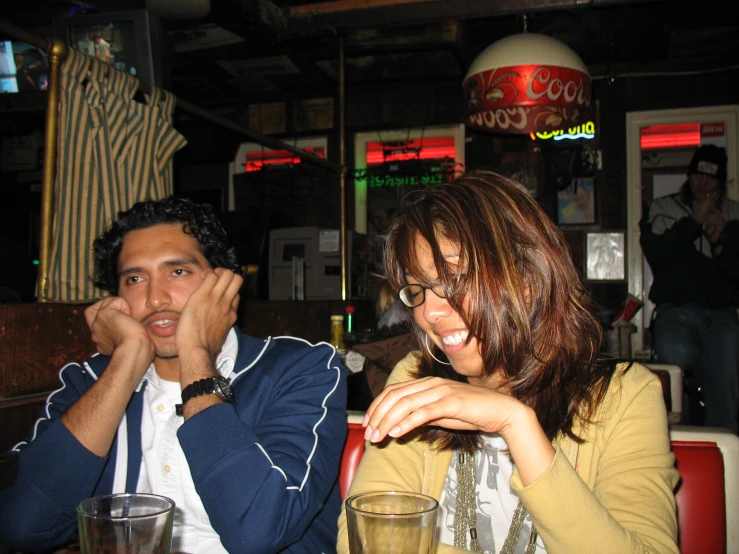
(422, 294)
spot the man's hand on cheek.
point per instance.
(111, 325)
(209, 313)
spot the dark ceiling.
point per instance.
(291, 47)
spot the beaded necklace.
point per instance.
(465, 513)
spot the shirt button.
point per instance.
(160, 408)
(166, 468)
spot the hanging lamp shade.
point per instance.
(527, 83)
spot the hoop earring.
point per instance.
(432, 354)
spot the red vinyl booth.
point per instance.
(707, 495)
(352, 451)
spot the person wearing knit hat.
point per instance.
(691, 241)
(709, 160)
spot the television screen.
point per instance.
(113, 43)
(22, 67)
(129, 40)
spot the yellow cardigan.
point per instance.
(611, 494)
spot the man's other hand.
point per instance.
(209, 313)
(111, 325)
(704, 205)
(715, 224)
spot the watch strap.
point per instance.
(212, 385)
(198, 388)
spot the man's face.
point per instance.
(158, 270)
(704, 186)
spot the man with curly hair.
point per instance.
(244, 434)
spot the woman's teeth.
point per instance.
(454, 339)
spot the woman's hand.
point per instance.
(402, 407)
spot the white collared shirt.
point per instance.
(164, 468)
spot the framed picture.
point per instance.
(313, 114)
(576, 202)
(605, 256)
(522, 167)
(269, 118)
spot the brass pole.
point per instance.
(270, 142)
(342, 163)
(57, 52)
(7, 28)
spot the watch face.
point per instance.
(223, 389)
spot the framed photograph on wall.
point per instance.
(605, 256)
(522, 167)
(313, 114)
(269, 118)
(576, 202)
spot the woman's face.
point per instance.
(440, 321)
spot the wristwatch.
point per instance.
(212, 385)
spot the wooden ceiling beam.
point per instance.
(336, 6)
(346, 15)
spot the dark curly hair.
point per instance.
(197, 221)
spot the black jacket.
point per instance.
(683, 265)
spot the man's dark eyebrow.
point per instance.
(168, 263)
(182, 261)
(129, 271)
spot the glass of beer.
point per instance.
(390, 522)
(132, 523)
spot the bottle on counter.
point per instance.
(337, 332)
(349, 318)
(353, 360)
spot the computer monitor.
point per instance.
(320, 252)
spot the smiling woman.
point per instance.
(508, 415)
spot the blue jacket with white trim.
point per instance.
(265, 467)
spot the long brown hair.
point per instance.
(525, 302)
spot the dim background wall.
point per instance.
(202, 167)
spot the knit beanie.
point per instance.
(710, 160)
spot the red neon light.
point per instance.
(421, 149)
(257, 160)
(670, 128)
(675, 140)
(678, 135)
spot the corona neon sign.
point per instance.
(584, 131)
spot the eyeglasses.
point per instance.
(415, 295)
